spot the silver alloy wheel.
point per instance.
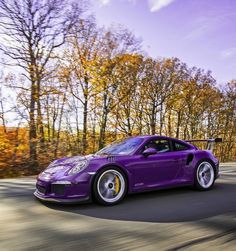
(111, 186)
(205, 175)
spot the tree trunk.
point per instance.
(153, 121)
(105, 111)
(161, 119)
(3, 117)
(48, 120)
(85, 118)
(178, 125)
(169, 124)
(32, 129)
(59, 126)
(103, 130)
(40, 119)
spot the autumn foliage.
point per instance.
(79, 87)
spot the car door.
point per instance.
(159, 169)
(185, 158)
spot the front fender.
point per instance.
(97, 168)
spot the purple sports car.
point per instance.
(135, 164)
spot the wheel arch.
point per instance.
(208, 160)
(110, 165)
(197, 185)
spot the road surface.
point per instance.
(175, 219)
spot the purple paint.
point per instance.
(147, 162)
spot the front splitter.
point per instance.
(61, 201)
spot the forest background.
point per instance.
(69, 87)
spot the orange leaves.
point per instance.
(13, 146)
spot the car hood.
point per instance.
(70, 161)
(62, 165)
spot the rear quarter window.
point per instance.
(179, 146)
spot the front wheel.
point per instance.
(204, 176)
(110, 186)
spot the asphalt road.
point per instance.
(175, 219)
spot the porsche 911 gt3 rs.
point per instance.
(135, 164)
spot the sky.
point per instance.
(201, 33)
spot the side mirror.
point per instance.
(149, 151)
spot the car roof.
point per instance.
(155, 136)
(164, 137)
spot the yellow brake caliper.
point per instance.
(117, 185)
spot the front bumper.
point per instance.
(64, 191)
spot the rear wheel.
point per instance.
(204, 176)
(110, 186)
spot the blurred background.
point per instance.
(76, 75)
(72, 80)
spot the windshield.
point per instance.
(123, 147)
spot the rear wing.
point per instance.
(210, 142)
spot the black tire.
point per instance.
(100, 183)
(204, 175)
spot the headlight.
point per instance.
(79, 167)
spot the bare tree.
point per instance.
(116, 44)
(2, 111)
(85, 48)
(31, 31)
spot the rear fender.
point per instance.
(205, 156)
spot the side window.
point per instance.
(179, 147)
(161, 145)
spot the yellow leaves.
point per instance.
(13, 146)
(4, 143)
